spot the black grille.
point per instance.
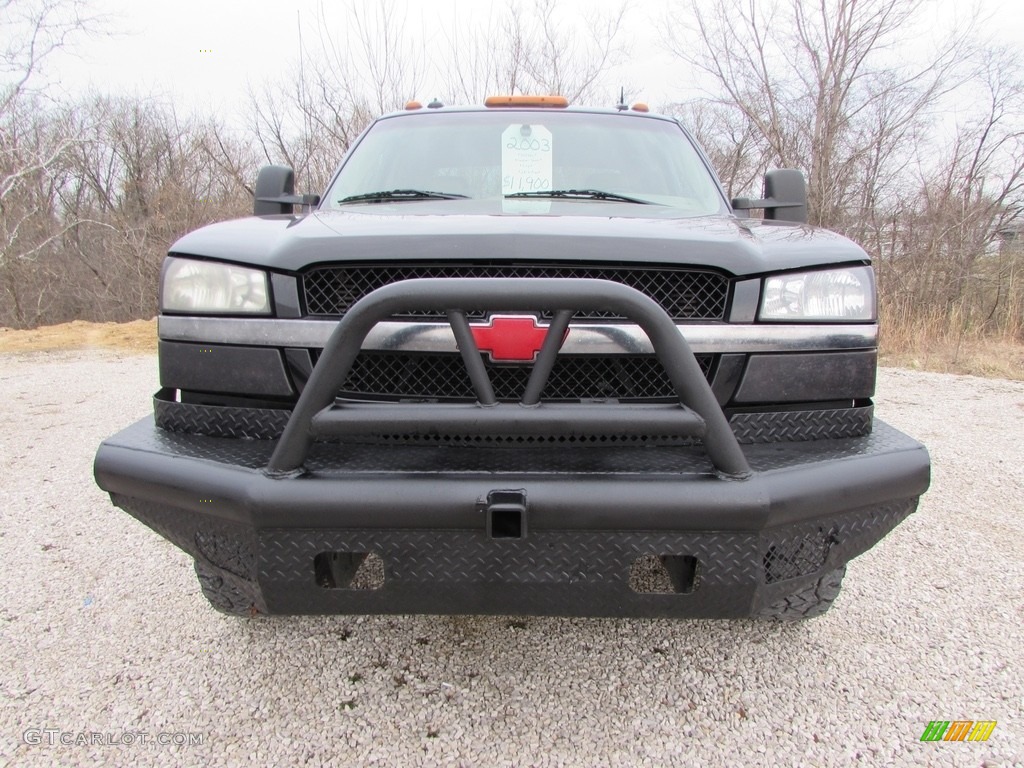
(442, 376)
(685, 294)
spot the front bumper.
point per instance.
(591, 514)
(554, 520)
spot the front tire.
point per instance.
(221, 594)
(813, 600)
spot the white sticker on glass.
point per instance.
(525, 159)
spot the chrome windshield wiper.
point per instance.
(582, 194)
(401, 194)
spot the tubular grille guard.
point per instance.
(685, 294)
(316, 415)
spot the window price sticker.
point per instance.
(525, 159)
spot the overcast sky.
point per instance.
(203, 53)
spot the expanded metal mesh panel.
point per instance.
(797, 556)
(685, 294)
(441, 376)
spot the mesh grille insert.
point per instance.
(685, 294)
(442, 376)
(797, 556)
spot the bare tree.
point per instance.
(567, 60)
(93, 191)
(35, 138)
(821, 84)
(971, 198)
(537, 49)
(33, 31)
(146, 179)
(827, 87)
(339, 82)
(374, 65)
(102, 216)
(730, 140)
(481, 58)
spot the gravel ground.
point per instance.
(103, 629)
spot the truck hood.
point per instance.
(479, 231)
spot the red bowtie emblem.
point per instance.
(511, 338)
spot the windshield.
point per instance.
(495, 154)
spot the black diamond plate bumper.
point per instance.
(591, 512)
(556, 520)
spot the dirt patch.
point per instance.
(994, 359)
(136, 336)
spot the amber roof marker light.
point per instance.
(556, 102)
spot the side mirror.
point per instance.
(785, 197)
(275, 192)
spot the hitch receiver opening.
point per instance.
(506, 514)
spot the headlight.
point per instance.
(208, 286)
(834, 294)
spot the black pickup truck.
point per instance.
(521, 358)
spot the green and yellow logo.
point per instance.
(958, 730)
